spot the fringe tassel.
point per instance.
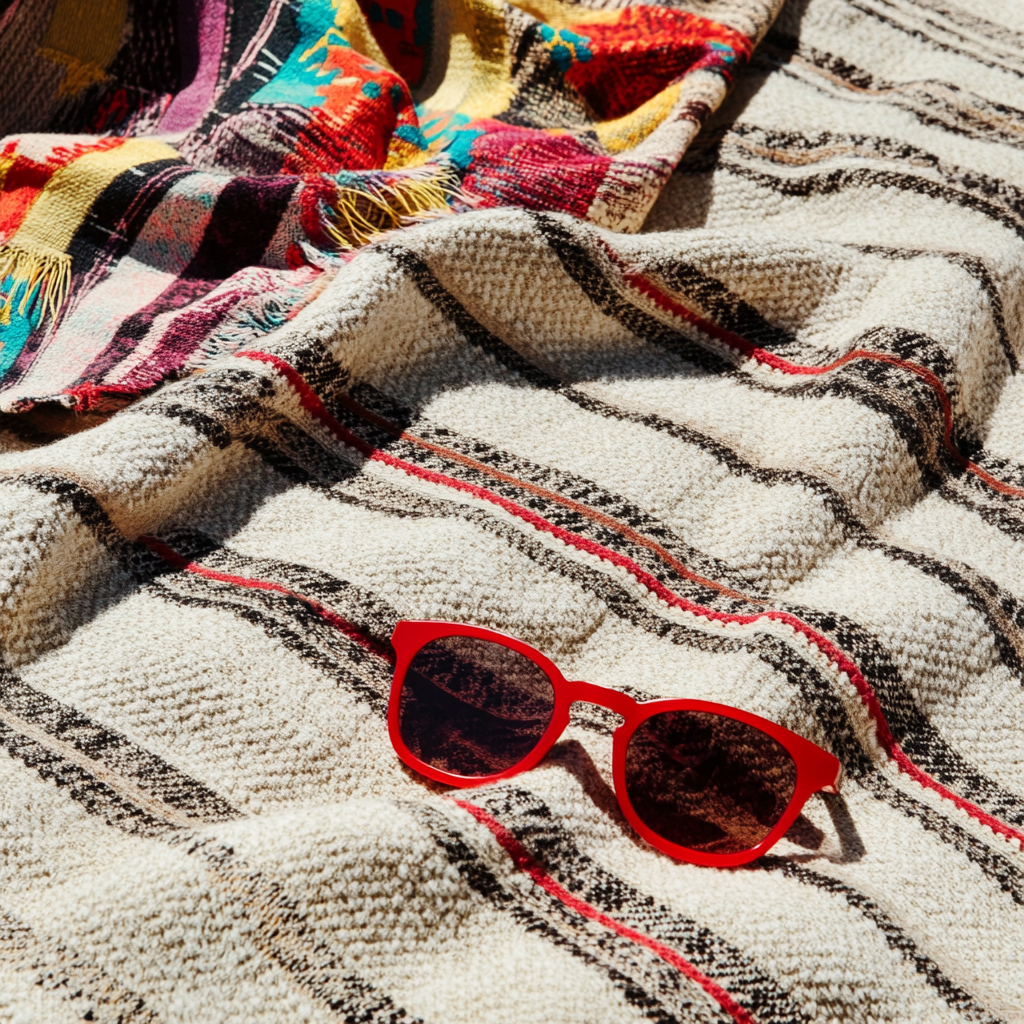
(46, 278)
(367, 206)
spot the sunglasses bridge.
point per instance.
(581, 692)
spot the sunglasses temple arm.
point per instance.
(834, 787)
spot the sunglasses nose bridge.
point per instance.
(590, 693)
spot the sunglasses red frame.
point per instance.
(816, 769)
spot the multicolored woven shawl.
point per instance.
(188, 221)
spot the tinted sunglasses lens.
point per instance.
(473, 707)
(707, 782)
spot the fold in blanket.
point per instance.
(307, 129)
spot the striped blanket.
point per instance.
(767, 451)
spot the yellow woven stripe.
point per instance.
(559, 14)
(56, 215)
(478, 77)
(84, 36)
(629, 131)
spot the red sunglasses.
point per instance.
(702, 782)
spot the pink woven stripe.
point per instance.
(206, 26)
(311, 402)
(525, 863)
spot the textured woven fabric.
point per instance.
(768, 451)
(300, 130)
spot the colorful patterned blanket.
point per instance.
(767, 451)
(203, 215)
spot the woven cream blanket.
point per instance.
(769, 452)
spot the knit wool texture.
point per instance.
(769, 452)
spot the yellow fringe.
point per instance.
(358, 215)
(50, 271)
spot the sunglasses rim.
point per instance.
(816, 769)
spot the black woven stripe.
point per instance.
(964, 19)
(987, 190)
(1005, 513)
(999, 869)
(232, 397)
(531, 821)
(283, 933)
(584, 491)
(724, 307)
(292, 623)
(920, 738)
(926, 99)
(150, 772)
(91, 793)
(453, 311)
(77, 500)
(897, 939)
(998, 198)
(915, 33)
(825, 183)
(583, 269)
(206, 426)
(937, 757)
(280, 931)
(978, 269)
(661, 995)
(916, 416)
(69, 976)
(371, 614)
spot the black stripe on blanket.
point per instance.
(67, 975)
(647, 983)
(293, 621)
(530, 820)
(106, 746)
(281, 932)
(897, 939)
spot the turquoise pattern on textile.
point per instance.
(301, 76)
(565, 46)
(456, 140)
(15, 332)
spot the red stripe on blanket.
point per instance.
(312, 403)
(169, 555)
(525, 863)
(766, 358)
